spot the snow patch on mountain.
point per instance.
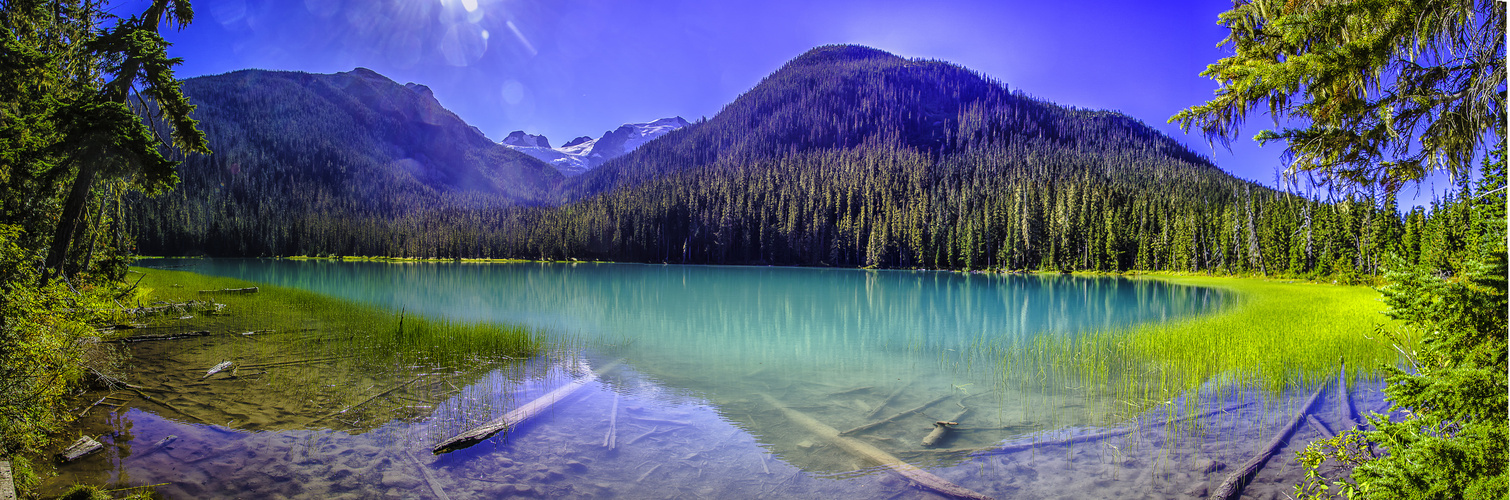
(585, 153)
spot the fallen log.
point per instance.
(238, 291)
(1239, 478)
(888, 400)
(940, 428)
(80, 448)
(1320, 427)
(296, 362)
(611, 439)
(851, 391)
(865, 451)
(164, 404)
(429, 479)
(161, 336)
(1013, 448)
(513, 418)
(368, 400)
(893, 418)
(216, 369)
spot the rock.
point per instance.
(576, 466)
(1197, 490)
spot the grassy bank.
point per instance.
(390, 335)
(1272, 334)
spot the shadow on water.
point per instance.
(879, 356)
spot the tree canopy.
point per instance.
(1382, 91)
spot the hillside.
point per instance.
(290, 145)
(845, 97)
(845, 156)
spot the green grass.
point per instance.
(336, 327)
(1272, 335)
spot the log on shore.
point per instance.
(516, 416)
(79, 449)
(1233, 486)
(870, 453)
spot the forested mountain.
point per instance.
(290, 146)
(849, 156)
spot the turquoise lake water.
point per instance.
(714, 361)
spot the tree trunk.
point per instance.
(68, 222)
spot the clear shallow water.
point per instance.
(705, 351)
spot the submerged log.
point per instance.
(216, 369)
(238, 291)
(893, 418)
(870, 453)
(940, 428)
(529, 410)
(161, 336)
(1233, 486)
(611, 439)
(369, 399)
(888, 400)
(1013, 448)
(84, 446)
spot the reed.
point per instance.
(1271, 335)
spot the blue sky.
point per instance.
(565, 68)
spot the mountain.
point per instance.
(845, 156)
(291, 145)
(844, 96)
(585, 153)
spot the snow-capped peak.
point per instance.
(585, 153)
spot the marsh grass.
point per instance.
(299, 356)
(1271, 336)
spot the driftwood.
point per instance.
(1013, 448)
(161, 336)
(888, 400)
(512, 418)
(940, 428)
(661, 420)
(238, 291)
(611, 440)
(865, 451)
(369, 399)
(1233, 486)
(84, 446)
(893, 418)
(216, 369)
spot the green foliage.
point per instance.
(1383, 90)
(1453, 441)
(44, 343)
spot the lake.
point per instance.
(711, 380)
